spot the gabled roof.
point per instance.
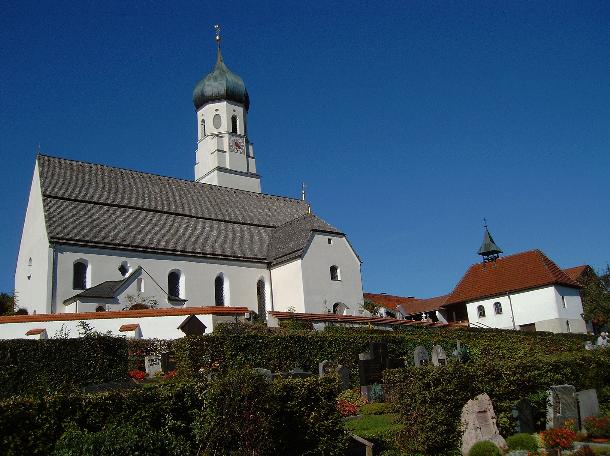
(423, 305)
(388, 301)
(106, 290)
(519, 272)
(576, 273)
(101, 206)
(350, 319)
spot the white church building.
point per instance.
(99, 238)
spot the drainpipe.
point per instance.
(53, 280)
(512, 314)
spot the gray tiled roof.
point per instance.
(97, 205)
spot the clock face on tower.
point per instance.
(237, 145)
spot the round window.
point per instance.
(217, 121)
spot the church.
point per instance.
(103, 239)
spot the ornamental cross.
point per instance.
(217, 30)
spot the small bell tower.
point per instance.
(489, 249)
(224, 156)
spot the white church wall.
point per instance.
(287, 283)
(540, 306)
(199, 275)
(33, 279)
(320, 292)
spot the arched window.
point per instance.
(233, 123)
(79, 276)
(339, 308)
(175, 284)
(335, 273)
(481, 311)
(100, 309)
(498, 308)
(124, 268)
(202, 129)
(219, 290)
(261, 299)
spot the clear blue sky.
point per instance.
(409, 121)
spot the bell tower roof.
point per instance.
(489, 250)
(220, 84)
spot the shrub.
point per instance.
(558, 438)
(484, 448)
(42, 366)
(352, 396)
(597, 426)
(376, 408)
(522, 441)
(346, 408)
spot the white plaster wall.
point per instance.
(532, 306)
(152, 327)
(287, 283)
(199, 276)
(319, 290)
(34, 293)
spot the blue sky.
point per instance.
(409, 121)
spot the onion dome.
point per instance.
(220, 84)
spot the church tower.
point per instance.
(224, 154)
(489, 250)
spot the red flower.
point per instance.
(558, 438)
(169, 374)
(137, 374)
(346, 408)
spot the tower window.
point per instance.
(202, 129)
(233, 123)
(79, 275)
(335, 273)
(217, 121)
(175, 284)
(563, 300)
(498, 308)
(140, 284)
(330, 241)
(481, 311)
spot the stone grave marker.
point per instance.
(479, 423)
(379, 350)
(168, 362)
(439, 357)
(343, 373)
(589, 345)
(420, 356)
(298, 373)
(264, 372)
(588, 405)
(152, 364)
(326, 368)
(562, 406)
(525, 413)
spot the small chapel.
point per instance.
(102, 239)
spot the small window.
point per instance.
(173, 284)
(234, 124)
(30, 262)
(124, 268)
(481, 311)
(100, 309)
(497, 308)
(330, 241)
(568, 326)
(563, 300)
(202, 129)
(79, 277)
(335, 273)
(140, 284)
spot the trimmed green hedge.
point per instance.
(39, 366)
(430, 399)
(237, 414)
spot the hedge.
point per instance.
(281, 351)
(39, 366)
(240, 413)
(430, 399)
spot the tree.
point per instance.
(596, 296)
(8, 303)
(371, 307)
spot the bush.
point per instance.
(522, 441)
(597, 426)
(376, 408)
(42, 366)
(558, 438)
(484, 448)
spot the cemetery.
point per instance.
(249, 389)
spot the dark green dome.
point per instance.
(220, 84)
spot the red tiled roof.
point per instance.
(576, 272)
(423, 305)
(35, 332)
(388, 301)
(130, 327)
(212, 310)
(334, 318)
(519, 272)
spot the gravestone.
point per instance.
(525, 413)
(326, 368)
(420, 356)
(589, 345)
(168, 362)
(379, 350)
(479, 423)
(439, 357)
(298, 373)
(152, 364)
(264, 372)
(562, 406)
(343, 373)
(588, 405)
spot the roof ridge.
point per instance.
(120, 168)
(556, 272)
